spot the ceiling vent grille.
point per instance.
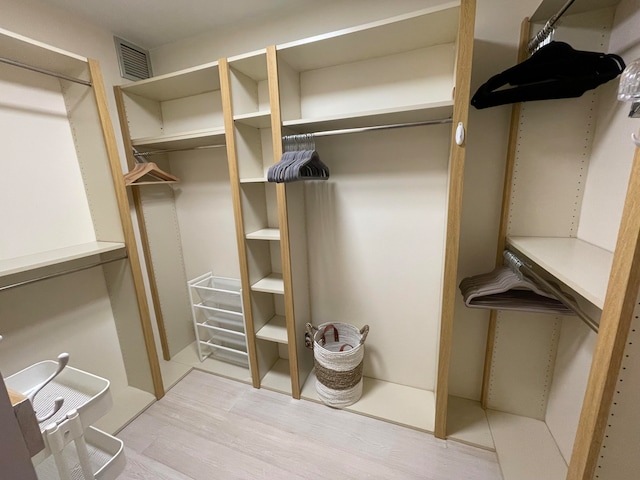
(134, 61)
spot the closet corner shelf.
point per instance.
(29, 268)
(265, 234)
(581, 266)
(254, 119)
(388, 116)
(274, 331)
(195, 138)
(271, 284)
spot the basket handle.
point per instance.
(336, 335)
(308, 336)
(364, 331)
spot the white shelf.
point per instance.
(467, 423)
(387, 401)
(581, 266)
(387, 116)
(16, 271)
(265, 234)
(180, 84)
(432, 26)
(254, 119)
(37, 54)
(271, 284)
(189, 357)
(278, 378)
(195, 138)
(274, 331)
(525, 447)
(254, 180)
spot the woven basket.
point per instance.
(338, 353)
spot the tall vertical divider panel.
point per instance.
(176, 121)
(550, 379)
(381, 234)
(70, 279)
(262, 223)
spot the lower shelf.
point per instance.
(387, 401)
(525, 447)
(127, 405)
(278, 378)
(467, 423)
(106, 454)
(188, 357)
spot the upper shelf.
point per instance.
(29, 268)
(579, 265)
(428, 27)
(31, 52)
(183, 83)
(388, 116)
(196, 138)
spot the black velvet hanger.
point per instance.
(554, 71)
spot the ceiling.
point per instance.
(151, 23)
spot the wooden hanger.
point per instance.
(151, 169)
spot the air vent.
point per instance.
(135, 63)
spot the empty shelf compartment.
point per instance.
(219, 292)
(106, 454)
(82, 391)
(215, 317)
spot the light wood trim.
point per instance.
(525, 28)
(142, 227)
(620, 302)
(283, 220)
(456, 180)
(234, 178)
(127, 225)
(15, 397)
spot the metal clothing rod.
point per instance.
(328, 133)
(61, 273)
(513, 260)
(546, 30)
(45, 72)
(158, 152)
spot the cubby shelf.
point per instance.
(581, 266)
(278, 377)
(20, 270)
(265, 234)
(270, 284)
(275, 330)
(253, 180)
(255, 119)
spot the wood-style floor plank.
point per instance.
(209, 428)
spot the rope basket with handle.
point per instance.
(338, 355)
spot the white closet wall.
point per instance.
(376, 239)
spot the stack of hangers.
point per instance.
(505, 289)
(300, 161)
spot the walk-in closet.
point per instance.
(308, 169)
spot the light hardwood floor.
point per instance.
(209, 428)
